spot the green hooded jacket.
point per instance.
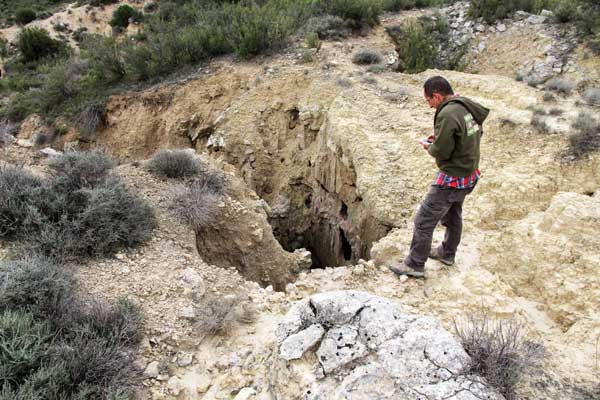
(458, 128)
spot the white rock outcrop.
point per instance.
(370, 349)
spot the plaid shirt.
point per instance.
(457, 182)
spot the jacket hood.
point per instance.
(478, 111)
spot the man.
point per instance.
(455, 147)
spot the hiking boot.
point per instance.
(404, 269)
(435, 254)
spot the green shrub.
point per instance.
(123, 14)
(19, 191)
(35, 43)
(586, 137)
(81, 211)
(94, 222)
(24, 16)
(312, 40)
(499, 351)
(565, 11)
(36, 286)
(359, 11)
(23, 345)
(366, 57)
(415, 47)
(174, 164)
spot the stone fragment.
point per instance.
(151, 370)
(203, 383)
(297, 344)
(191, 278)
(183, 360)
(174, 385)
(245, 394)
(24, 143)
(480, 27)
(501, 27)
(187, 312)
(50, 152)
(340, 347)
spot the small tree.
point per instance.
(24, 16)
(122, 15)
(35, 43)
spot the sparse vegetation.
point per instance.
(175, 36)
(548, 97)
(80, 211)
(312, 40)
(328, 27)
(540, 124)
(560, 86)
(10, 8)
(53, 346)
(366, 57)
(196, 204)
(556, 112)
(174, 164)
(492, 10)
(499, 351)
(417, 44)
(586, 137)
(592, 96)
(218, 316)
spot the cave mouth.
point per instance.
(324, 231)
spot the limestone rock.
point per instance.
(50, 152)
(297, 344)
(374, 350)
(245, 394)
(151, 370)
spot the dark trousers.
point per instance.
(441, 204)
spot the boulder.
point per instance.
(370, 349)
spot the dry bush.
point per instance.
(218, 316)
(78, 169)
(328, 27)
(548, 97)
(366, 57)
(556, 111)
(592, 96)
(196, 204)
(540, 124)
(91, 118)
(560, 86)
(499, 351)
(174, 164)
(586, 137)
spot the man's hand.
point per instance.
(426, 144)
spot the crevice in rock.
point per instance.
(308, 179)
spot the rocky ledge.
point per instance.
(352, 345)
